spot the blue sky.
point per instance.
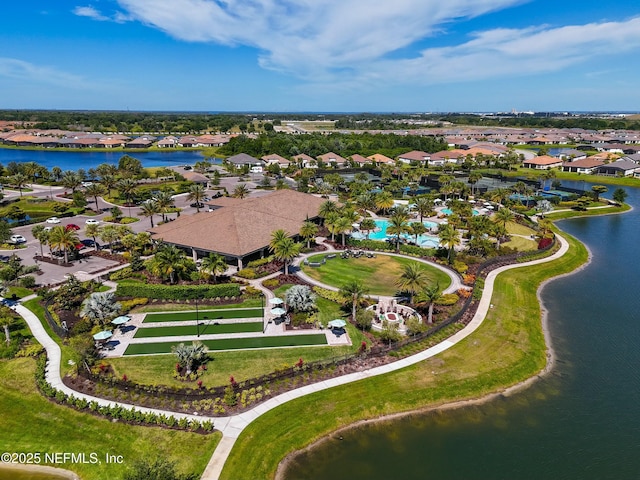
(321, 55)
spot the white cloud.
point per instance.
(348, 41)
(25, 71)
(93, 13)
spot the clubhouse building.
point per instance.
(240, 230)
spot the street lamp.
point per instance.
(197, 319)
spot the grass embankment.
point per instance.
(232, 343)
(560, 215)
(379, 274)
(206, 329)
(203, 315)
(508, 348)
(31, 423)
(576, 177)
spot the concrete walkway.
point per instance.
(232, 426)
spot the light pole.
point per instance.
(197, 319)
(262, 305)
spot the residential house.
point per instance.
(619, 168)
(378, 158)
(543, 162)
(305, 161)
(414, 156)
(242, 159)
(274, 158)
(583, 165)
(331, 158)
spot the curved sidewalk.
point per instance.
(232, 426)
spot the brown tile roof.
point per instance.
(243, 226)
(359, 158)
(589, 162)
(379, 158)
(543, 160)
(414, 155)
(331, 157)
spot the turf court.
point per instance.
(204, 315)
(202, 329)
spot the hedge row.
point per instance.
(178, 292)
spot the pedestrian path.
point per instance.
(232, 426)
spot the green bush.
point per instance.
(260, 261)
(248, 273)
(126, 220)
(177, 292)
(128, 305)
(460, 267)
(271, 283)
(447, 299)
(329, 294)
(28, 282)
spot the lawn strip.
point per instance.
(208, 329)
(204, 315)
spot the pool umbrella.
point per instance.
(276, 301)
(120, 320)
(278, 311)
(337, 323)
(104, 335)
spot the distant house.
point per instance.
(305, 161)
(379, 158)
(332, 158)
(359, 159)
(168, 142)
(570, 154)
(414, 156)
(110, 142)
(274, 158)
(584, 165)
(544, 162)
(188, 141)
(141, 142)
(195, 177)
(242, 159)
(619, 168)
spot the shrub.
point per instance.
(126, 220)
(301, 298)
(128, 305)
(271, 283)
(177, 292)
(468, 279)
(447, 299)
(330, 295)
(261, 261)
(364, 318)
(28, 282)
(460, 267)
(125, 272)
(544, 243)
(248, 273)
(251, 291)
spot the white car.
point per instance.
(53, 220)
(92, 221)
(17, 239)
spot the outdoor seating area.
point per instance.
(356, 254)
(391, 312)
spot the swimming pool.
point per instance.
(448, 211)
(427, 241)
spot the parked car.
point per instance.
(89, 243)
(4, 258)
(197, 205)
(53, 220)
(187, 167)
(17, 239)
(92, 221)
(72, 226)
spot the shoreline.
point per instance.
(503, 392)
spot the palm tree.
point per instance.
(424, 207)
(189, 355)
(71, 179)
(196, 194)
(397, 226)
(449, 238)
(213, 264)
(42, 235)
(308, 230)
(19, 181)
(417, 229)
(504, 216)
(127, 187)
(93, 231)
(413, 279)
(365, 202)
(384, 201)
(240, 191)
(108, 181)
(429, 296)
(341, 226)
(368, 224)
(330, 221)
(474, 177)
(57, 173)
(354, 291)
(286, 250)
(165, 202)
(109, 234)
(327, 207)
(63, 239)
(95, 190)
(170, 262)
(149, 209)
(277, 236)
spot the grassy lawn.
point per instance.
(203, 315)
(206, 329)
(508, 348)
(379, 274)
(513, 227)
(586, 213)
(521, 244)
(31, 423)
(19, 292)
(178, 307)
(245, 364)
(577, 177)
(233, 343)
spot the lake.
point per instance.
(580, 421)
(74, 160)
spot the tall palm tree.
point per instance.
(42, 235)
(424, 207)
(109, 234)
(277, 236)
(330, 221)
(428, 296)
(384, 201)
(95, 190)
(342, 226)
(417, 229)
(19, 181)
(71, 179)
(355, 291)
(127, 188)
(149, 209)
(196, 194)
(504, 216)
(449, 238)
(63, 239)
(474, 177)
(398, 224)
(165, 202)
(413, 279)
(170, 262)
(213, 264)
(327, 207)
(286, 250)
(308, 230)
(108, 181)
(93, 231)
(365, 202)
(367, 224)
(240, 191)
